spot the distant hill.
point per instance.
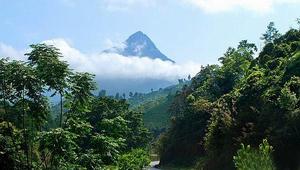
(139, 45)
(155, 105)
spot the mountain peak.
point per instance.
(139, 44)
(138, 33)
(139, 39)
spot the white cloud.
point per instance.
(7, 51)
(126, 4)
(113, 45)
(259, 6)
(112, 66)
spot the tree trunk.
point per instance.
(25, 130)
(5, 113)
(61, 109)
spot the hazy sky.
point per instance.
(187, 31)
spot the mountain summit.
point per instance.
(139, 44)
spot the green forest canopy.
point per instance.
(92, 132)
(245, 99)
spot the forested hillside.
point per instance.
(90, 132)
(155, 105)
(246, 100)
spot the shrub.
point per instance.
(248, 158)
(137, 159)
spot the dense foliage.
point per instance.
(90, 132)
(136, 159)
(245, 99)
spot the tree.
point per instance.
(247, 47)
(180, 81)
(3, 87)
(271, 34)
(97, 130)
(242, 100)
(102, 93)
(298, 22)
(229, 52)
(130, 94)
(50, 69)
(20, 79)
(57, 148)
(137, 136)
(117, 96)
(79, 96)
(23, 102)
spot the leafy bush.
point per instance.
(57, 147)
(248, 158)
(137, 159)
(10, 156)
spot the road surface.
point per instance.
(152, 164)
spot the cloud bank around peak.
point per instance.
(258, 6)
(113, 66)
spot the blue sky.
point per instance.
(198, 31)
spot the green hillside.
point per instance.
(155, 105)
(243, 113)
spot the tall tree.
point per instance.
(271, 34)
(50, 69)
(298, 22)
(3, 87)
(102, 93)
(27, 98)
